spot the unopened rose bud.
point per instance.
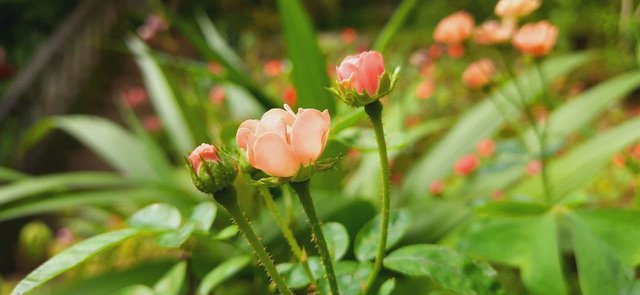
(210, 170)
(363, 79)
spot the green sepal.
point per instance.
(386, 83)
(213, 176)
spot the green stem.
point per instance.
(374, 111)
(301, 256)
(302, 189)
(543, 139)
(229, 201)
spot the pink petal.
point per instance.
(274, 156)
(246, 133)
(280, 113)
(273, 123)
(309, 135)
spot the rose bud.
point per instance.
(210, 170)
(466, 164)
(486, 147)
(479, 73)
(536, 39)
(454, 28)
(494, 32)
(283, 143)
(516, 8)
(363, 79)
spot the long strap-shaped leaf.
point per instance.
(309, 69)
(479, 122)
(72, 257)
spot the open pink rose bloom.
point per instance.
(361, 72)
(282, 141)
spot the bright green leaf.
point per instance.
(176, 237)
(135, 290)
(203, 215)
(221, 273)
(337, 239)
(366, 243)
(71, 257)
(160, 216)
(227, 232)
(509, 208)
(171, 283)
(387, 287)
(351, 276)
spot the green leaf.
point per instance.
(585, 108)
(351, 276)
(509, 208)
(115, 145)
(7, 174)
(295, 275)
(159, 216)
(227, 232)
(171, 283)
(217, 43)
(221, 273)
(71, 257)
(175, 238)
(480, 122)
(135, 290)
(394, 24)
(529, 243)
(337, 239)
(366, 243)
(162, 97)
(448, 268)
(573, 170)
(387, 287)
(40, 184)
(203, 215)
(69, 201)
(309, 70)
(599, 270)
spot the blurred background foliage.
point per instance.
(87, 162)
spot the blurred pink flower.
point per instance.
(434, 52)
(619, 160)
(134, 96)
(479, 73)
(204, 151)
(214, 67)
(273, 67)
(436, 187)
(533, 168)
(455, 50)
(454, 28)
(217, 94)
(361, 72)
(290, 96)
(516, 8)
(425, 89)
(466, 164)
(349, 35)
(282, 141)
(151, 123)
(536, 39)
(486, 147)
(152, 26)
(494, 32)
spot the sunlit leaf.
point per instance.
(337, 239)
(221, 273)
(171, 283)
(366, 243)
(159, 216)
(203, 215)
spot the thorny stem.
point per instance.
(301, 256)
(229, 201)
(302, 189)
(374, 111)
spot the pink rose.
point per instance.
(204, 151)
(494, 32)
(361, 72)
(466, 164)
(486, 147)
(536, 39)
(283, 141)
(479, 73)
(454, 28)
(516, 8)
(436, 187)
